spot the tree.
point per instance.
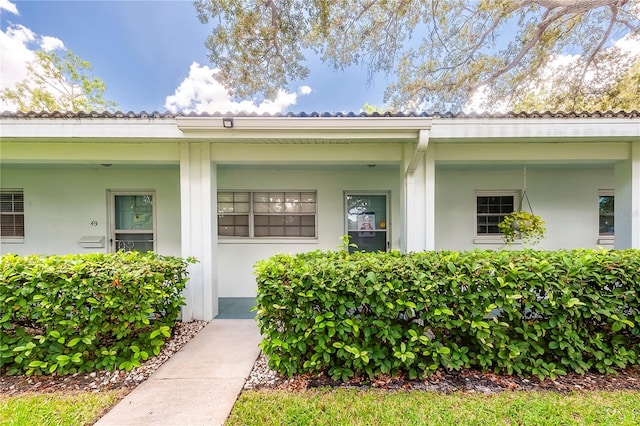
(620, 93)
(465, 45)
(371, 109)
(57, 83)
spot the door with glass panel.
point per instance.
(132, 221)
(367, 221)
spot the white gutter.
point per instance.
(261, 124)
(484, 129)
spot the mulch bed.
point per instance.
(263, 378)
(471, 381)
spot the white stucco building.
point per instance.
(232, 190)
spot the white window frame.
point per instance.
(492, 238)
(252, 214)
(606, 239)
(13, 212)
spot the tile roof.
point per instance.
(156, 114)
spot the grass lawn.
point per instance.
(377, 407)
(58, 408)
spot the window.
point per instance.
(233, 214)
(11, 214)
(491, 208)
(277, 214)
(606, 213)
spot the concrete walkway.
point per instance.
(199, 384)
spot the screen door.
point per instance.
(132, 221)
(367, 221)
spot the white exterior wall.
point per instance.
(61, 203)
(237, 257)
(566, 197)
(627, 202)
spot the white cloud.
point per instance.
(17, 46)
(15, 54)
(8, 6)
(304, 90)
(628, 44)
(478, 101)
(49, 43)
(201, 93)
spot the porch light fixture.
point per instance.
(227, 122)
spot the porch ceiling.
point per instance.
(285, 130)
(133, 165)
(518, 165)
(310, 167)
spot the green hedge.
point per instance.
(524, 312)
(78, 313)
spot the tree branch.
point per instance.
(435, 26)
(627, 24)
(550, 18)
(605, 37)
(274, 23)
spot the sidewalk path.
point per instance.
(199, 384)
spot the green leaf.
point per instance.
(74, 342)
(573, 302)
(444, 350)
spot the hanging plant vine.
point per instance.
(522, 225)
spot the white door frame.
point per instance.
(112, 194)
(387, 229)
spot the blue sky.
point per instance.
(145, 51)
(151, 55)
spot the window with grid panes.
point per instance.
(267, 214)
(233, 214)
(11, 213)
(491, 208)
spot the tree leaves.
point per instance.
(441, 52)
(57, 83)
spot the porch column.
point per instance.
(420, 195)
(198, 229)
(627, 200)
(430, 198)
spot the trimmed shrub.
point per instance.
(77, 313)
(517, 312)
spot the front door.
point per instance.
(132, 221)
(367, 221)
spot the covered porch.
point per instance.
(417, 180)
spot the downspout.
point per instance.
(419, 151)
